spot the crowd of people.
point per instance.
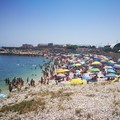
(88, 67)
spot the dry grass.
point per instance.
(116, 102)
(105, 83)
(90, 95)
(89, 115)
(61, 106)
(25, 106)
(116, 107)
(78, 111)
(60, 94)
(118, 90)
(38, 102)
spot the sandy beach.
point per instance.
(68, 100)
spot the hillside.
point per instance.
(99, 101)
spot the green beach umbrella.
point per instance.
(76, 65)
(94, 70)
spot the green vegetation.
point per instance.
(90, 95)
(89, 115)
(107, 48)
(25, 106)
(38, 103)
(77, 111)
(60, 94)
(116, 107)
(73, 47)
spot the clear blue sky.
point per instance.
(94, 22)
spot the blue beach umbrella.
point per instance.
(111, 75)
(97, 59)
(111, 71)
(86, 77)
(116, 66)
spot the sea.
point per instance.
(20, 66)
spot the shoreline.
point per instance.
(35, 73)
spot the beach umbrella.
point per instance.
(111, 71)
(66, 70)
(97, 59)
(64, 83)
(86, 77)
(77, 55)
(76, 65)
(77, 81)
(116, 80)
(94, 70)
(118, 76)
(103, 61)
(96, 63)
(111, 61)
(62, 71)
(77, 71)
(82, 62)
(61, 75)
(116, 66)
(111, 75)
(118, 62)
(108, 67)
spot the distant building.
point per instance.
(42, 45)
(27, 46)
(50, 44)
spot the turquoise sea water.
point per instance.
(20, 66)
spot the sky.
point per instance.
(78, 22)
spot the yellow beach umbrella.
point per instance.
(111, 61)
(96, 63)
(62, 70)
(77, 81)
(66, 70)
(118, 76)
(116, 80)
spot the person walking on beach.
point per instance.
(47, 80)
(56, 79)
(10, 87)
(0, 90)
(27, 79)
(42, 80)
(33, 83)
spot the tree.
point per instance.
(107, 48)
(73, 47)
